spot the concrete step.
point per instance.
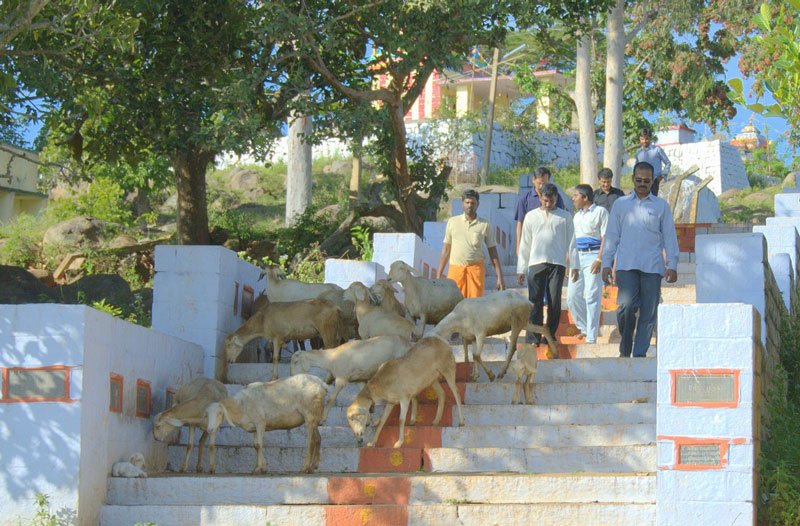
(611, 369)
(602, 459)
(527, 435)
(413, 489)
(551, 393)
(455, 513)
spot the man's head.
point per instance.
(582, 196)
(645, 137)
(605, 176)
(540, 176)
(548, 195)
(642, 178)
(469, 201)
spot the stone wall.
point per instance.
(717, 159)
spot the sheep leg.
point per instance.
(211, 450)
(440, 396)
(512, 348)
(529, 388)
(314, 441)
(202, 444)
(466, 349)
(384, 417)
(450, 378)
(340, 384)
(401, 430)
(258, 443)
(476, 355)
(276, 356)
(189, 446)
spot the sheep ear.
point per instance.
(174, 422)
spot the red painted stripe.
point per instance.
(389, 460)
(373, 490)
(366, 515)
(414, 436)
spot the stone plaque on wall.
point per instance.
(700, 455)
(705, 388)
(48, 384)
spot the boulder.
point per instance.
(339, 166)
(328, 213)
(83, 231)
(97, 287)
(790, 179)
(243, 180)
(18, 286)
(123, 240)
(729, 194)
(757, 197)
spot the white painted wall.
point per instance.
(343, 272)
(717, 159)
(406, 247)
(66, 450)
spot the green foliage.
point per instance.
(104, 199)
(742, 209)
(43, 517)
(779, 462)
(767, 161)
(108, 308)
(359, 237)
(21, 238)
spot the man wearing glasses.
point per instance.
(640, 230)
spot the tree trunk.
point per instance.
(190, 173)
(355, 182)
(400, 168)
(487, 143)
(298, 177)
(583, 101)
(615, 81)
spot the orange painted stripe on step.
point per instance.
(415, 436)
(463, 371)
(563, 351)
(389, 460)
(378, 490)
(428, 395)
(366, 515)
(425, 415)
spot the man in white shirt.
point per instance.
(584, 295)
(640, 231)
(546, 241)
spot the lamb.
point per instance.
(354, 361)
(263, 406)
(189, 408)
(400, 381)
(377, 321)
(279, 288)
(280, 322)
(476, 318)
(384, 292)
(524, 365)
(133, 468)
(428, 300)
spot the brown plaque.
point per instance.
(700, 455)
(705, 388)
(36, 384)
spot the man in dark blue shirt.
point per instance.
(530, 201)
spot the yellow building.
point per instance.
(19, 177)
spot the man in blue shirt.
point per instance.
(640, 229)
(531, 201)
(654, 156)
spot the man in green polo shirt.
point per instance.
(464, 238)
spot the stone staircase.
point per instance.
(583, 453)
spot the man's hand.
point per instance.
(521, 279)
(575, 274)
(608, 277)
(596, 264)
(671, 276)
(500, 284)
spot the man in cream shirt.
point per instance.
(546, 241)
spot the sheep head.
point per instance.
(214, 416)
(137, 459)
(399, 271)
(299, 363)
(232, 347)
(356, 292)
(358, 414)
(166, 428)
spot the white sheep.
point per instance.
(264, 406)
(374, 320)
(279, 322)
(384, 293)
(497, 313)
(188, 409)
(399, 381)
(354, 361)
(133, 468)
(427, 300)
(279, 288)
(525, 365)
(349, 321)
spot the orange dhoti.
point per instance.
(469, 278)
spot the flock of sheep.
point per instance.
(384, 348)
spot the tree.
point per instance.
(777, 64)
(199, 78)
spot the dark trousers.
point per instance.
(637, 291)
(656, 184)
(545, 281)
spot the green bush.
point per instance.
(104, 199)
(20, 240)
